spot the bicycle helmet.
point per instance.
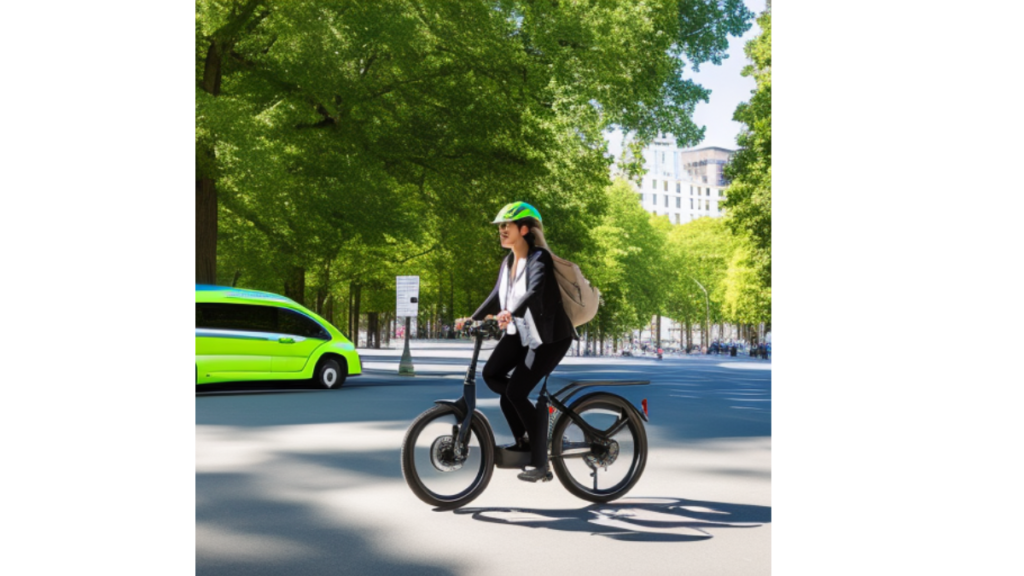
(515, 211)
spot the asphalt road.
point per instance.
(309, 481)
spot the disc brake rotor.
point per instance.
(602, 455)
(442, 455)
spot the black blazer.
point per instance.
(543, 298)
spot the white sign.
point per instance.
(408, 294)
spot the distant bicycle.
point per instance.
(449, 453)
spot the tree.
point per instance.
(698, 253)
(347, 142)
(628, 264)
(749, 196)
(746, 300)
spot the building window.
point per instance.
(707, 205)
(719, 192)
(679, 188)
(708, 192)
(691, 203)
(662, 157)
(654, 184)
(666, 200)
(677, 218)
(678, 202)
(654, 199)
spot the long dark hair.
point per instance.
(535, 237)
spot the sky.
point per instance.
(727, 87)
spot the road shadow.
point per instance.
(635, 519)
(258, 387)
(243, 528)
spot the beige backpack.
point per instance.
(579, 298)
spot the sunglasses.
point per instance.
(505, 225)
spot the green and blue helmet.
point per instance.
(515, 211)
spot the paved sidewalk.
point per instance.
(450, 357)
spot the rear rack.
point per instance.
(580, 385)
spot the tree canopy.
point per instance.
(342, 143)
(749, 202)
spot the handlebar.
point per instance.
(474, 327)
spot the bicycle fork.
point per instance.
(469, 400)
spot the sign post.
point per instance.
(407, 290)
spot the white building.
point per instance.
(684, 184)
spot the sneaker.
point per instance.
(537, 475)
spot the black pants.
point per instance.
(514, 390)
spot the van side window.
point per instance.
(244, 317)
(291, 322)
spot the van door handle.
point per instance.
(286, 340)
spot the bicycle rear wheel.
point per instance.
(429, 464)
(593, 471)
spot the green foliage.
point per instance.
(698, 255)
(745, 299)
(749, 202)
(360, 141)
(627, 264)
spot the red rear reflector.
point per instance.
(644, 404)
(551, 409)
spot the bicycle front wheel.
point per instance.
(600, 471)
(429, 463)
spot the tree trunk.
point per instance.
(355, 293)
(295, 284)
(206, 188)
(376, 330)
(206, 231)
(321, 299)
(451, 297)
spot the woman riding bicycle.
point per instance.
(528, 305)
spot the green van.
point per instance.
(248, 335)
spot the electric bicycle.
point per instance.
(449, 453)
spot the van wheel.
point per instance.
(329, 374)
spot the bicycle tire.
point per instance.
(446, 415)
(637, 435)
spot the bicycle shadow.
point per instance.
(635, 519)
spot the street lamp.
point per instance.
(707, 310)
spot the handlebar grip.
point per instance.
(481, 323)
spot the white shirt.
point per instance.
(511, 297)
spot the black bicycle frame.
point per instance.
(590, 434)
